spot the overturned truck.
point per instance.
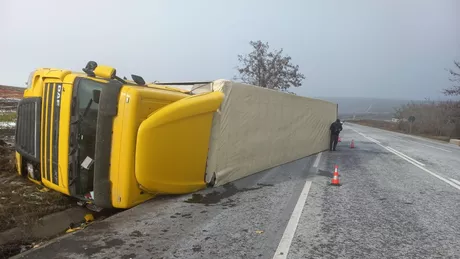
(114, 143)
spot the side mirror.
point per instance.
(96, 95)
(89, 69)
(138, 80)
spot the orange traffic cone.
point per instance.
(335, 179)
(336, 169)
(352, 145)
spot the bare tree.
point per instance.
(455, 79)
(398, 112)
(268, 69)
(441, 118)
(435, 118)
(455, 91)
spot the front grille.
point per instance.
(27, 139)
(50, 132)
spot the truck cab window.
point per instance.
(87, 121)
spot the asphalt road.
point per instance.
(387, 206)
(399, 199)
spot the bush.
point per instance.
(431, 118)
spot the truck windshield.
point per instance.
(86, 112)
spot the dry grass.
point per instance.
(8, 116)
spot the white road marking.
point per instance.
(392, 149)
(414, 162)
(374, 140)
(404, 155)
(285, 242)
(425, 145)
(455, 181)
(318, 158)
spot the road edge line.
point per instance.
(286, 240)
(417, 165)
(455, 181)
(388, 147)
(318, 158)
(404, 155)
(423, 144)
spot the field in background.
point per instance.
(11, 91)
(366, 108)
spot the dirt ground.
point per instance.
(22, 202)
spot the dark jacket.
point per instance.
(336, 127)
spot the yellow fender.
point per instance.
(172, 145)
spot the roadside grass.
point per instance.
(8, 117)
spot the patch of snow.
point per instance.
(7, 110)
(7, 124)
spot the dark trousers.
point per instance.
(334, 140)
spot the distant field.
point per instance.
(366, 108)
(11, 91)
(367, 116)
(348, 105)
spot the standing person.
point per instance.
(336, 128)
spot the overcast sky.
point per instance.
(387, 49)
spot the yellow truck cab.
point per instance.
(110, 142)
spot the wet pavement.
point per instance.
(386, 207)
(243, 219)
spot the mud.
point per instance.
(7, 159)
(7, 135)
(22, 202)
(12, 249)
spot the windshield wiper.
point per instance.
(78, 121)
(85, 112)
